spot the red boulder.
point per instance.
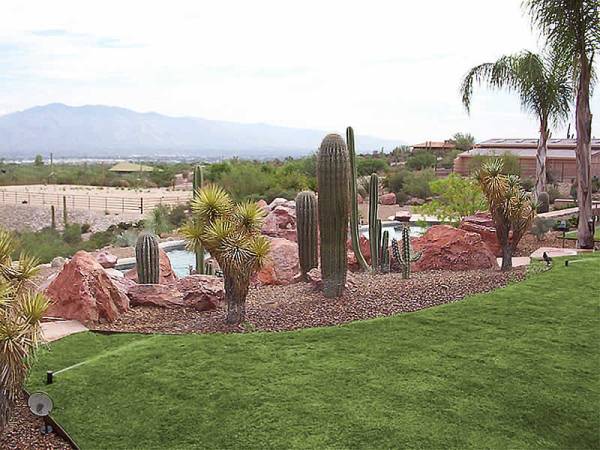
(448, 248)
(482, 224)
(84, 291)
(283, 263)
(388, 199)
(202, 292)
(160, 295)
(106, 259)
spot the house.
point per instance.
(125, 167)
(560, 159)
(437, 147)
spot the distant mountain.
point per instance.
(110, 132)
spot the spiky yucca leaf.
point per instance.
(211, 203)
(216, 232)
(260, 247)
(192, 231)
(249, 216)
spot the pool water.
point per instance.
(181, 260)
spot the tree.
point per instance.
(512, 209)
(463, 141)
(231, 234)
(543, 87)
(572, 30)
(38, 161)
(456, 197)
(20, 315)
(421, 160)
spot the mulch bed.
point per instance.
(281, 308)
(23, 431)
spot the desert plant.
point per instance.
(65, 215)
(512, 209)
(541, 226)
(197, 184)
(72, 233)
(405, 257)
(231, 234)
(543, 200)
(147, 259)
(333, 172)
(354, 232)
(20, 314)
(384, 252)
(157, 220)
(307, 232)
(374, 222)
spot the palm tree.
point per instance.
(543, 88)
(511, 207)
(231, 234)
(572, 30)
(20, 314)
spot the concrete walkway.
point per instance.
(517, 261)
(53, 331)
(560, 213)
(553, 252)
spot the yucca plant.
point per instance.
(20, 314)
(512, 209)
(231, 234)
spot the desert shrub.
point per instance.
(447, 161)
(85, 228)
(72, 233)
(421, 160)
(455, 197)
(417, 183)
(127, 238)
(177, 214)
(527, 184)
(367, 165)
(553, 193)
(157, 221)
(541, 226)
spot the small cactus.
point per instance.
(333, 172)
(384, 256)
(147, 259)
(374, 222)
(404, 257)
(543, 202)
(307, 232)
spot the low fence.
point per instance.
(112, 204)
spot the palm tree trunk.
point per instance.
(236, 290)
(540, 165)
(583, 120)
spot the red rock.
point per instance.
(364, 245)
(167, 275)
(280, 222)
(106, 259)
(84, 291)
(449, 248)
(202, 292)
(403, 216)
(277, 202)
(388, 199)
(160, 295)
(283, 263)
(483, 224)
(262, 204)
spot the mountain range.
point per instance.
(96, 131)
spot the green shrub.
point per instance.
(72, 233)
(85, 228)
(158, 221)
(421, 160)
(541, 226)
(510, 163)
(527, 184)
(553, 193)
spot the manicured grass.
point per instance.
(516, 368)
(573, 234)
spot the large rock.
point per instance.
(202, 292)
(106, 259)
(84, 291)
(365, 249)
(283, 263)
(448, 248)
(58, 262)
(263, 205)
(387, 199)
(315, 278)
(482, 224)
(167, 274)
(281, 222)
(159, 295)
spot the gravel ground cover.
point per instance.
(23, 432)
(280, 308)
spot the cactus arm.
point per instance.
(354, 233)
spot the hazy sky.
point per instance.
(389, 68)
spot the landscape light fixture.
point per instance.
(40, 404)
(562, 226)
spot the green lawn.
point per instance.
(516, 368)
(573, 234)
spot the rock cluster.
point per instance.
(482, 224)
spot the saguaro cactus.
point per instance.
(197, 183)
(53, 217)
(147, 259)
(65, 218)
(333, 171)
(306, 226)
(354, 233)
(374, 222)
(543, 202)
(384, 255)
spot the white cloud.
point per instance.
(389, 68)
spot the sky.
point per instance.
(391, 69)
